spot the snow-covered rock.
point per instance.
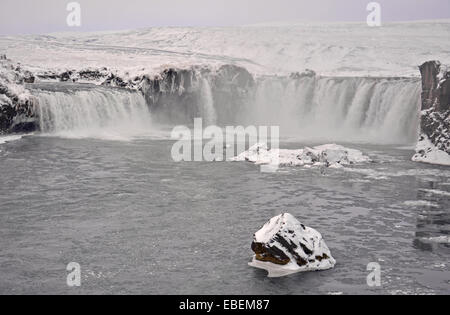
(327, 155)
(98, 76)
(285, 246)
(427, 152)
(17, 106)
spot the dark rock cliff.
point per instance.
(434, 140)
(175, 94)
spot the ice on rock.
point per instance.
(9, 138)
(427, 152)
(328, 155)
(285, 246)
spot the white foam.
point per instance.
(381, 174)
(420, 203)
(444, 239)
(436, 192)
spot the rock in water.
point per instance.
(284, 246)
(327, 155)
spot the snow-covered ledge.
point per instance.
(284, 246)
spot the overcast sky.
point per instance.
(45, 16)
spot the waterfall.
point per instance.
(95, 113)
(375, 110)
(207, 104)
(306, 107)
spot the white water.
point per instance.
(94, 113)
(207, 106)
(371, 110)
(345, 109)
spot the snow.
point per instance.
(443, 70)
(290, 229)
(430, 154)
(328, 155)
(275, 271)
(5, 139)
(8, 77)
(343, 49)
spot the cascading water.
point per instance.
(207, 106)
(305, 106)
(96, 112)
(376, 110)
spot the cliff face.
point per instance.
(16, 104)
(175, 94)
(434, 140)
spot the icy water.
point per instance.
(137, 222)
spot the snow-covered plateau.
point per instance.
(334, 49)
